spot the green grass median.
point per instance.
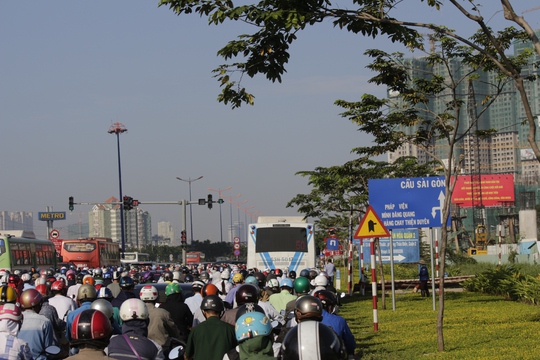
(476, 326)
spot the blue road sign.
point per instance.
(406, 245)
(332, 244)
(408, 203)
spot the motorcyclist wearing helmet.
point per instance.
(10, 324)
(134, 342)
(194, 301)
(224, 285)
(161, 326)
(334, 321)
(126, 291)
(115, 285)
(85, 296)
(327, 344)
(279, 301)
(208, 289)
(90, 332)
(213, 331)
(74, 289)
(180, 312)
(36, 329)
(59, 301)
(246, 293)
(238, 280)
(254, 336)
(59, 325)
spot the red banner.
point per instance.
(496, 190)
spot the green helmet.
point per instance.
(301, 285)
(173, 288)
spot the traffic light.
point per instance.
(220, 201)
(128, 203)
(71, 207)
(209, 201)
(183, 239)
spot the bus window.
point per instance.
(79, 247)
(2, 246)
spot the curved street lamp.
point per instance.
(189, 181)
(219, 191)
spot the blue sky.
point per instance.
(70, 69)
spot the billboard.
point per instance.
(495, 190)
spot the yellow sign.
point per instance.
(371, 226)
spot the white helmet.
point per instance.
(133, 309)
(272, 283)
(148, 293)
(104, 306)
(176, 275)
(225, 274)
(26, 277)
(320, 280)
(40, 281)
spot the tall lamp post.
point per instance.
(219, 191)
(230, 199)
(119, 128)
(238, 205)
(189, 181)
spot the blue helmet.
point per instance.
(286, 282)
(252, 324)
(105, 293)
(252, 280)
(107, 275)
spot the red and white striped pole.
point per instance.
(436, 254)
(500, 244)
(374, 284)
(362, 280)
(350, 275)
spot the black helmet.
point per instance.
(328, 299)
(312, 274)
(126, 283)
(80, 278)
(212, 302)
(204, 276)
(168, 276)
(188, 278)
(292, 274)
(261, 279)
(247, 293)
(308, 308)
(327, 345)
(249, 307)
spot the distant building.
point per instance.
(506, 151)
(104, 221)
(166, 234)
(16, 220)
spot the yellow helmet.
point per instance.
(8, 295)
(237, 278)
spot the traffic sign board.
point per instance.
(236, 246)
(409, 203)
(236, 239)
(332, 243)
(236, 252)
(371, 226)
(406, 246)
(55, 234)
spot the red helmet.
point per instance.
(30, 298)
(91, 324)
(42, 289)
(210, 289)
(14, 279)
(58, 285)
(71, 276)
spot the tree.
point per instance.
(266, 51)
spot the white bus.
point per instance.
(281, 242)
(134, 257)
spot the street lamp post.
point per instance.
(238, 204)
(219, 191)
(189, 181)
(119, 128)
(230, 199)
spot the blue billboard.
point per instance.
(408, 202)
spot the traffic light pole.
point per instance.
(184, 204)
